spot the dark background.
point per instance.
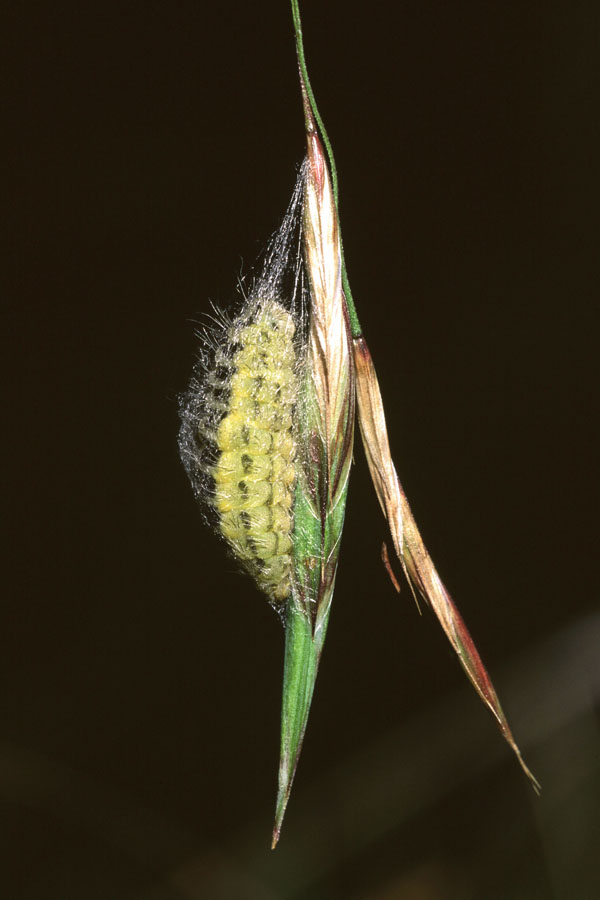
(152, 151)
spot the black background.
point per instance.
(152, 151)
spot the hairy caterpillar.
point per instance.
(237, 440)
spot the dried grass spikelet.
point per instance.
(408, 543)
(325, 437)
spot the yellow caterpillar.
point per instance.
(243, 411)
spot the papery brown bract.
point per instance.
(408, 543)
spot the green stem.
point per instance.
(352, 314)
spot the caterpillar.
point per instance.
(237, 441)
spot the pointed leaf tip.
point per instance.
(302, 654)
